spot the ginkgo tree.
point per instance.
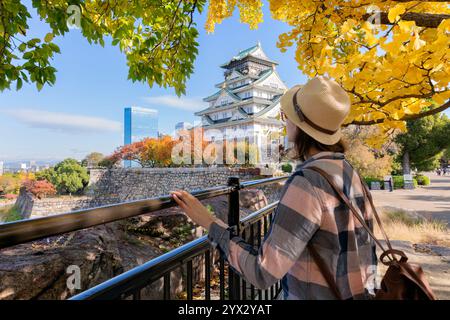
(158, 38)
(392, 57)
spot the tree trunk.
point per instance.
(405, 163)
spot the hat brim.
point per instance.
(288, 108)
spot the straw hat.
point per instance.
(318, 108)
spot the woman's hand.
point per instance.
(193, 208)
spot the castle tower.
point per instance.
(247, 100)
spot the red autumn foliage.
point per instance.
(9, 196)
(40, 188)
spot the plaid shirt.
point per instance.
(310, 211)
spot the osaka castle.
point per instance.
(247, 102)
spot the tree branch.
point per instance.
(427, 113)
(407, 117)
(429, 20)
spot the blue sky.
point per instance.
(83, 111)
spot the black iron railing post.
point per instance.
(233, 221)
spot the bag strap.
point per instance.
(353, 209)
(375, 212)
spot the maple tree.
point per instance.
(392, 57)
(156, 152)
(40, 188)
(149, 152)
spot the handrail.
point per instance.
(155, 268)
(150, 271)
(255, 216)
(262, 182)
(13, 233)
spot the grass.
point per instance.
(401, 225)
(10, 213)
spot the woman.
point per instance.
(315, 245)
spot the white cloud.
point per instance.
(63, 122)
(188, 104)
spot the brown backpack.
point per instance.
(402, 280)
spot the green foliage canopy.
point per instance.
(68, 176)
(158, 38)
(426, 140)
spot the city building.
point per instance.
(247, 102)
(1, 168)
(139, 123)
(33, 166)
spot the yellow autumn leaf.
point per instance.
(395, 12)
(406, 26)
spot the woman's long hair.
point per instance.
(303, 143)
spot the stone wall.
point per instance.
(140, 183)
(119, 185)
(4, 203)
(31, 207)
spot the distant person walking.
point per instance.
(315, 244)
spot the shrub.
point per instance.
(366, 161)
(40, 188)
(422, 180)
(369, 180)
(9, 183)
(286, 167)
(12, 214)
(399, 182)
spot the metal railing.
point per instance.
(198, 253)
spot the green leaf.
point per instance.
(22, 47)
(28, 55)
(48, 37)
(54, 47)
(19, 84)
(33, 42)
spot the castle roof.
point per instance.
(249, 52)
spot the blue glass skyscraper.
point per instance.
(139, 123)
